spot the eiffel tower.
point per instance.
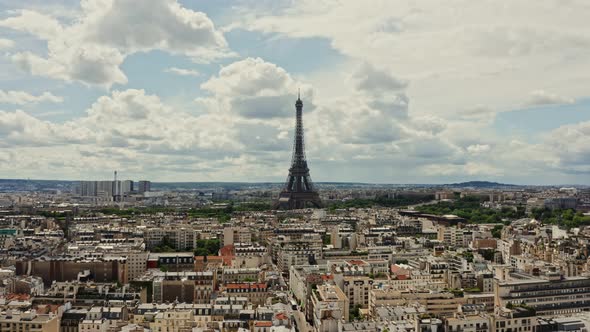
(298, 191)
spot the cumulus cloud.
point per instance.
(383, 91)
(182, 71)
(18, 129)
(377, 81)
(376, 113)
(543, 98)
(428, 123)
(154, 25)
(37, 24)
(92, 48)
(456, 53)
(570, 144)
(22, 98)
(255, 89)
(6, 43)
(461, 170)
(478, 148)
(244, 129)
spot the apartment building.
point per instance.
(514, 320)
(356, 288)
(330, 305)
(189, 287)
(240, 275)
(437, 303)
(551, 294)
(256, 293)
(172, 261)
(28, 322)
(174, 321)
(180, 238)
(302, 252)
(453, 236)
(233, 235)
(93, 325)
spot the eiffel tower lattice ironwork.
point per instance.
(298, 191)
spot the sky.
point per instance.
(416, 91)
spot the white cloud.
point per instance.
(256, 89)
(457, 53)
(542, 98)
(464, 171)
(478, 148)
(182, 71)
(19, 129)
(35, 23)
(92, 48)
(6, 43)
(244, 129)
(377, 81)
(156, 24)
(428, 123)
(570, 144)
(22, 98)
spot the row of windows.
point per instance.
(503, 323)
(21, 326)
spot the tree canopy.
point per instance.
(470, 209)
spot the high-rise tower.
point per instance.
(298, 191)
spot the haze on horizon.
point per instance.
(393, 91)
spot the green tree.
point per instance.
(497, 231)
(470, 209)
(355, 313)
(165, 246)
(207, 247)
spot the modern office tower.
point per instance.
(105, 188)
(143, 186)
(126, 187)
(87, 188)
(114, 189)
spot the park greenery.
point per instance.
(470, 209)
(567, 218)
(127, 213)
(221, 213)
(383, 201)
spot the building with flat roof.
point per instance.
(28, 322)
(330, 305)
(551, 295)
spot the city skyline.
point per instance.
(201, 91)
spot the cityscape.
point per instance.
(156, 165)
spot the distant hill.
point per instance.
(19, 185)
(480, 184)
